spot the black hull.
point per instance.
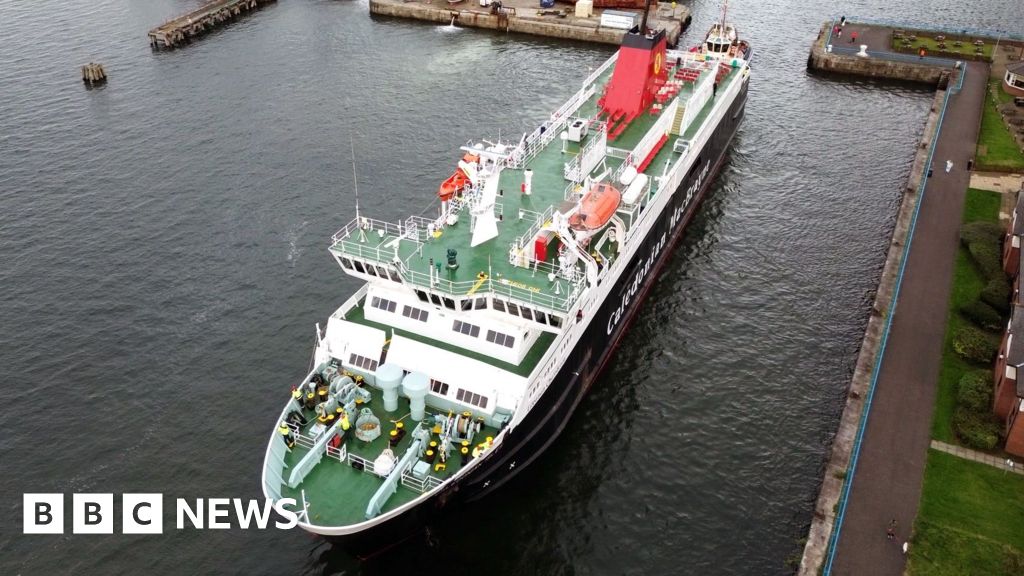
(552, 411)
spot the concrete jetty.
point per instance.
(209, 16)
(876, 466)
(526, 16)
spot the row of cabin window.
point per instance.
(371, 269)
(499, 305)
(493, 336)
(441, 389)
(407, 311)
(362, 362)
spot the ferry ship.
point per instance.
(478, 330)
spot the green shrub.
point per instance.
(988, 258)
(981, 231)
(974, 392)
(997, 295)
(983, 315)
(976, 429)
(974, 345)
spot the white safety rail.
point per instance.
(546, 132)
(367, 465)
(589, 157)
(339, 454)
(534, 228)
(427, 484)
(655, 134)
(300, 438)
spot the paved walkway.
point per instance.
(968, 454)
(887, 482)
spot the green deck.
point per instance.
(530, 361)
(337, 493)
(548, 188)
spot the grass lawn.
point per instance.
(971, 520)
(1000, 149)
(932, 46)
(968, 282)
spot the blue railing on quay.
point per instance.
(876, 370)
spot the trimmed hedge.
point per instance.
(983, 315)
(977, 430)
(974, 391)
(987, 256)
(981, 231)
(974, 345)
(997, 295)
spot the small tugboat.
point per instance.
(473, 339)
(722, 39)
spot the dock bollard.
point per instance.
(863, 51)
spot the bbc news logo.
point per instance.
(144, 514)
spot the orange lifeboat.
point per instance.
(458, 180)
(597, 207)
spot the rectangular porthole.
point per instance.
(415, 313)
(471, 398)
(501, 339)
(438, 387)
(383, 304)
(466, 328)
(362, 362)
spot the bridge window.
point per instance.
(498, 305)
(359, 266)
(481, 303)
(513, 309)
(466, 328)
(383, 304)
(415, 313)
(471, 398)
(501, 339)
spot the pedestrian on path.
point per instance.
(949, 166)
(835, 31)
(890, 532)
(853, 37)
(842, 21)
(840, 34)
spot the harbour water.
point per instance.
(163, 261)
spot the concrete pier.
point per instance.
(840, 57)
(525, 16)
(207, 17)
(876, 464)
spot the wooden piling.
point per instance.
(209, 16)
(93, 74)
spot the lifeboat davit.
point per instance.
(457, 181)
(597, 207)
